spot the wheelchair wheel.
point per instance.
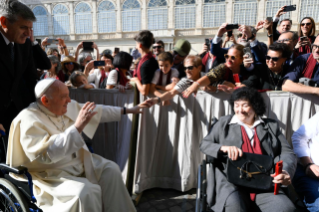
(11, 198)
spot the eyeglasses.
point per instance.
(275, 59)
(231, 57)
(303, 24)
(283, 40)
(239, 35)
(189, 68)
(157, 47)
(314, 46)
(70, 63)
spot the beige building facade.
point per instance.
(114, 23)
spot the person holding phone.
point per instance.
(284, 25)
(306, 33)
(209, 60)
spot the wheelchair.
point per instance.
(15, 196)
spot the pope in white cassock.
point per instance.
(46, 138)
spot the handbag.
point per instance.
(251, 171)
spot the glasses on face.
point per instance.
(275, 59)
(303, 24)
(314, 46)
(70, 63)
(189, 68)
(231, 57)
(157, 47)
(283, 40)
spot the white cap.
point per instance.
(42, 86)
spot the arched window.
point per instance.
(157, 14)
(309, 8)
(61, 23)
(106, 17)
(83, 18)
(131, 16)
(185, 14)
(274, 5)
(214, 13)
(245, 12)
(40, 27)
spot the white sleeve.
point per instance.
(112, 78)
(175, 73)
(66, 143)
(182, 85)
(110, 114)
(217, 39)
(156, 77)
(275, 19)
(253, 43)
(91, 77)
(304, 135)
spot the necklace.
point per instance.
(62, 130)
(276, 85)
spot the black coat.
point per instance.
(272, 141)
(17, 80)
(41, 60)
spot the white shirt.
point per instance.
(209, 64)
(156, 78)
(249, 130)
(112, 78)
(6, 39)
(184, 83)
(305, 140)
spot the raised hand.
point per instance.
(85, 115)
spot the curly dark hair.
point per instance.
(252, 96)
(282, 48)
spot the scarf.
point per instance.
(205, 59)
(123, 79)
(309, 67)
(137, 71)
(168, 79)
(255, 149)
(103, 76)
(305, 49)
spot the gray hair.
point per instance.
(83, 55)
(55, 60)
(13, 9)
(294, 35)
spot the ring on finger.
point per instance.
(90, 111)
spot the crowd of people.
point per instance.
(242, 66)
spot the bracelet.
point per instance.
(197, 83)
(124, 110)
(309, 164)
(159, 100)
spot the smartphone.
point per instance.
(52, 41)
(99, 63)
(248, 52)
(229, 33)
(116, 50)
(269, 19)
(87, 46)
(232, 26)
(303, 38)
(236, 78)
(207, 42)
(290, 8)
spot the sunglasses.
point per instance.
(314, 46)
(231, 57)
(275, 59)
(157, 47)
(70, 63)
(189, 68)
(303, 24)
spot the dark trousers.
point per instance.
(239, 201)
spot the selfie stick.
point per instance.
(278, 171)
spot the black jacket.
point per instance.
(41, 60)
(17, 80)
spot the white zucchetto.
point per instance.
(42, 86)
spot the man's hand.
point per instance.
(191, 89)
(313, 171)
(85, 115)
(232, 39)
(283, 178)
(281, 12)
(222, 30)
(245, 30)
(268, 25)
(233, 152)
(247, 61)
(259, 25)
(227, 87)
(88, 67)
(61, 42)
(80, 46)
(45, 42)
(137, 109)
(94, 46)
(2, 128)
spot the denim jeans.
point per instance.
(307, 187)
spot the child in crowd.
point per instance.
(79, 80)
(166, 77)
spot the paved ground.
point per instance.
(167, 200)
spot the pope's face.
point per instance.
(57, 102)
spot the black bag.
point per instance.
(251, 171)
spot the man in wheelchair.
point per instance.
(46, 139)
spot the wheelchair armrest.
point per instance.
(15, 170)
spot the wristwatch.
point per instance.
(269, 35)
(159, 100)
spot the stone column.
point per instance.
(294, 16)
(261, 5)
(199, 10)
(72, 27)
(94, 16)
(229, 11)
(50, 21)
(118, 16)
(144, 15)
(171, 14)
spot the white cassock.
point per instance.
(66, 176)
